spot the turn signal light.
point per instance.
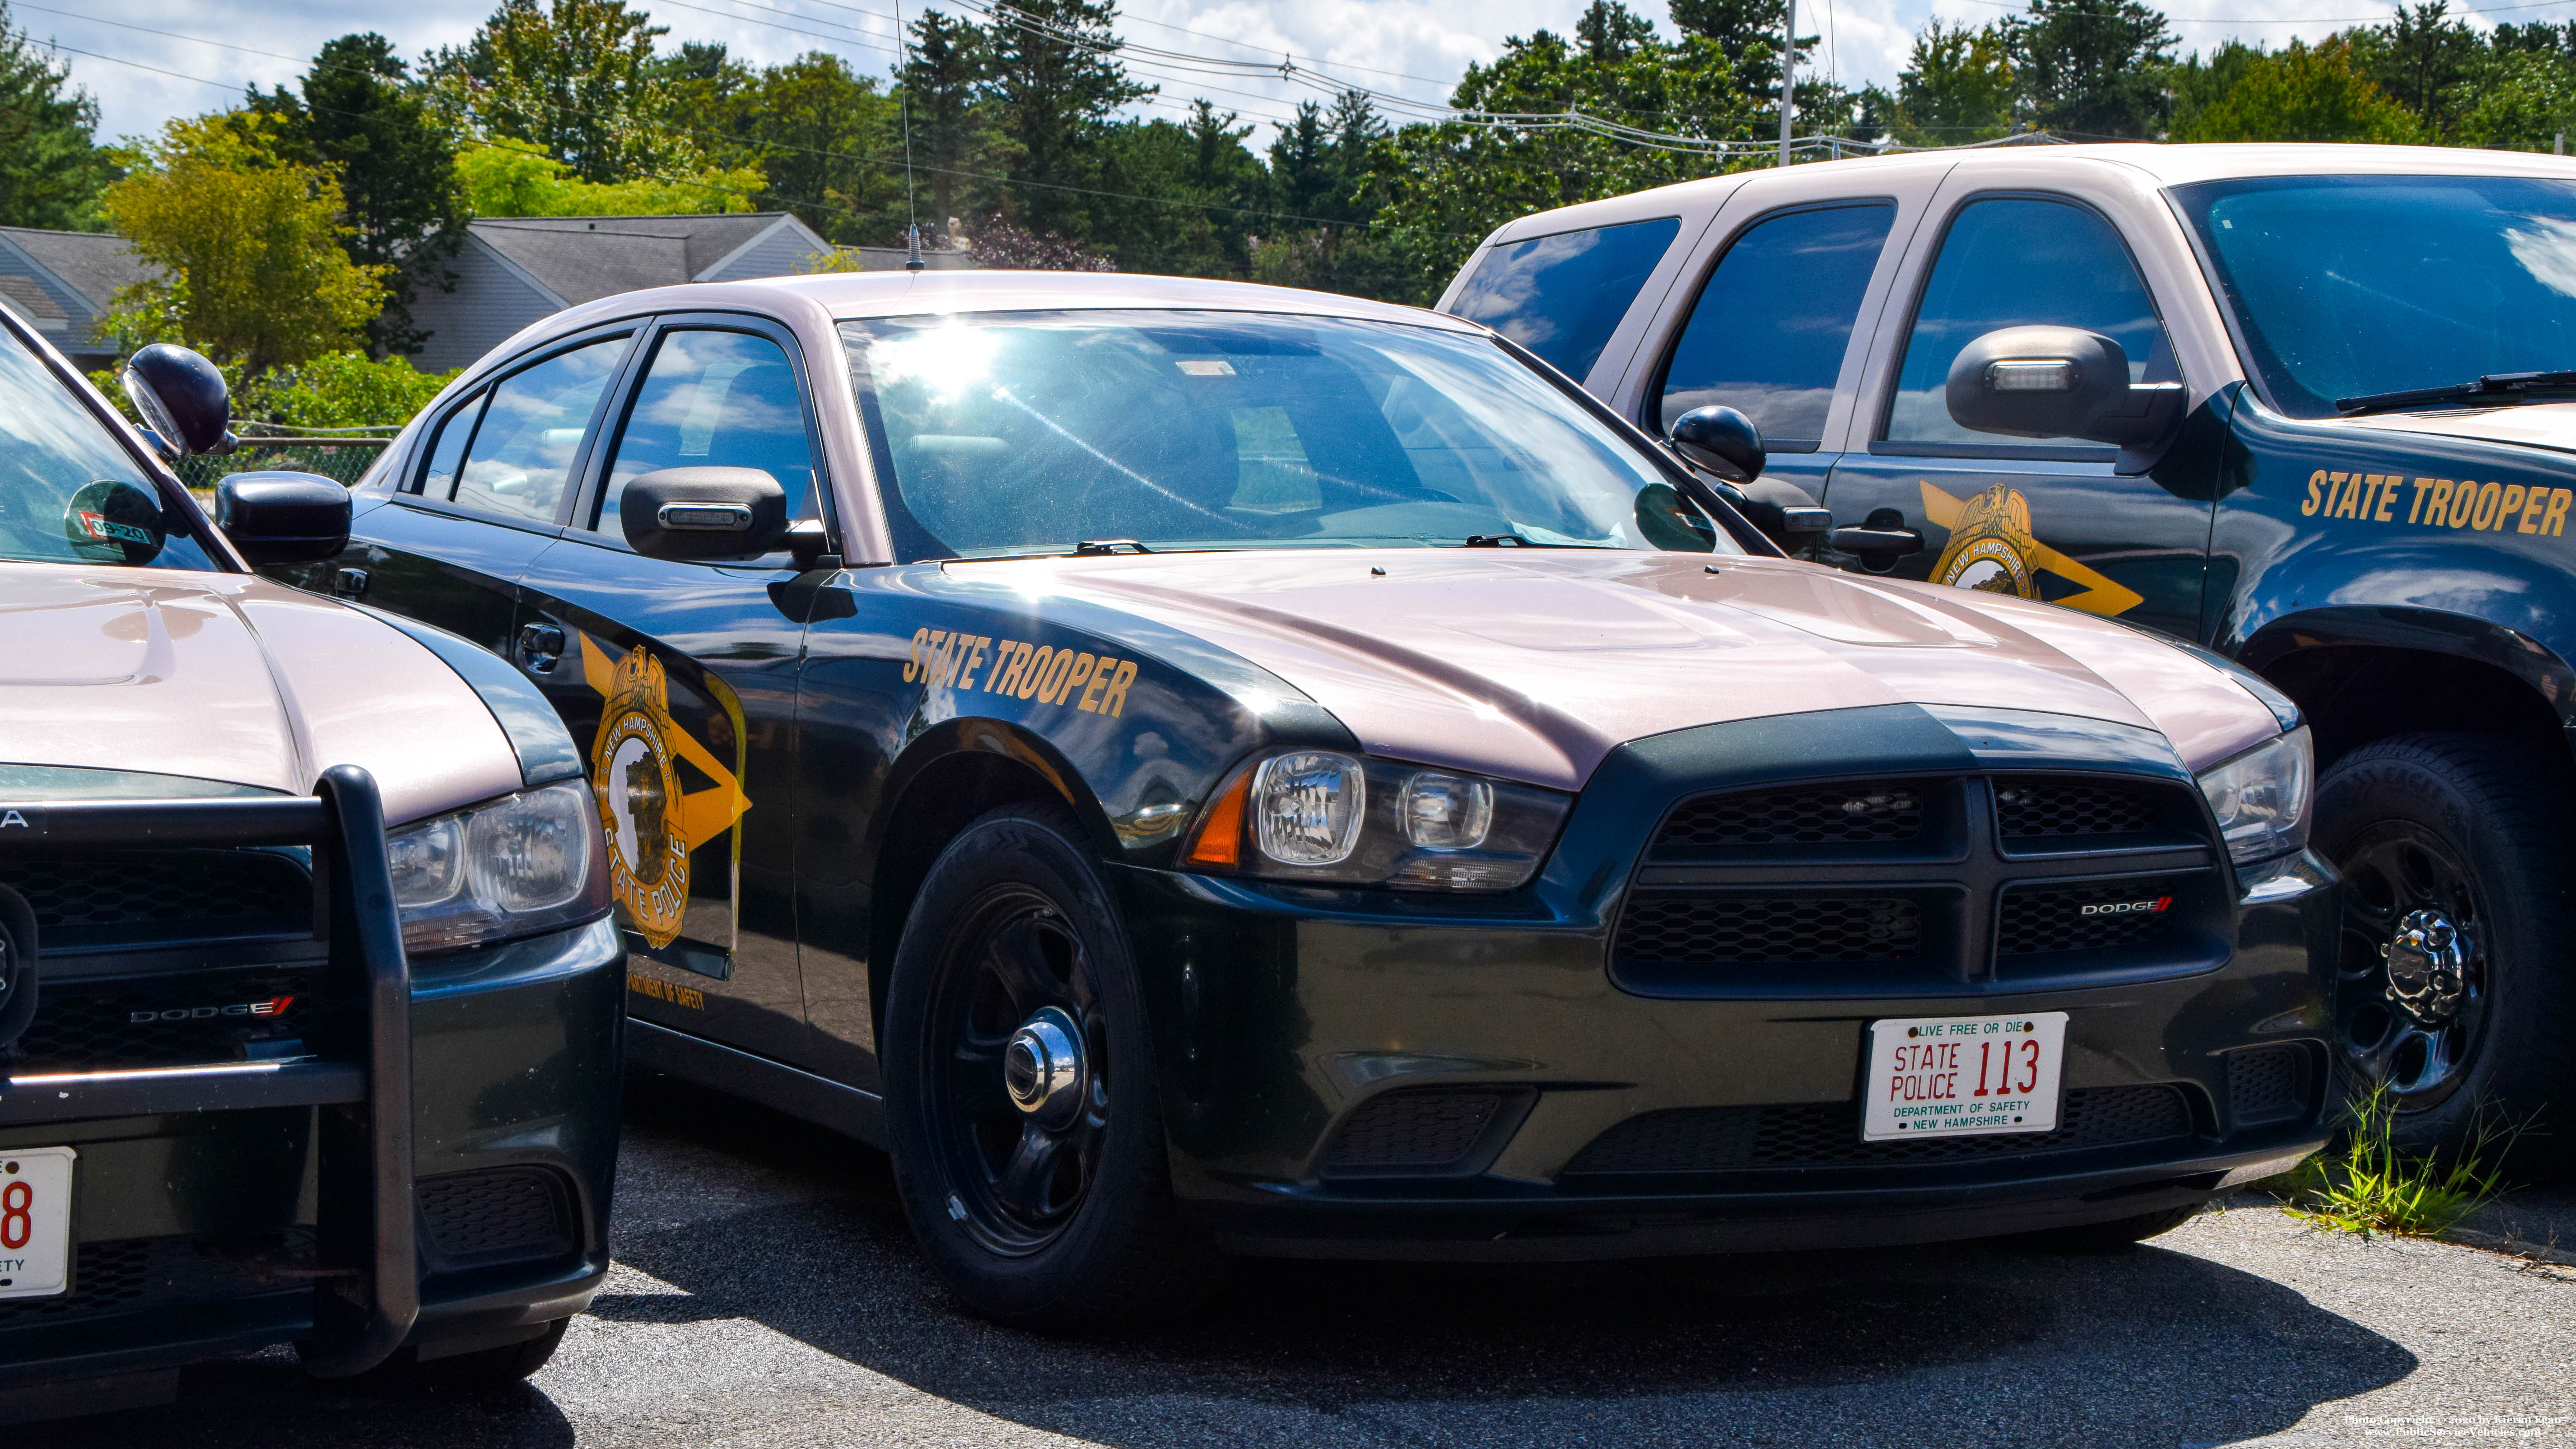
(1220, 837)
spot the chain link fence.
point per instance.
(339, 458)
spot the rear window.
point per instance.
(1562, 296)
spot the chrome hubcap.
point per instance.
(2428, 960)
(1043, 1068)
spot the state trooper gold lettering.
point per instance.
(2439, 502)
(1094, 684)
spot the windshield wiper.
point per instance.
(1514, 540)
(2493, 387)
(1103, 547)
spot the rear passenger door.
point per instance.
(678, 681)
(489, 492)
(1770, 330)
(2048, 518)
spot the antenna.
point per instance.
(912, 261)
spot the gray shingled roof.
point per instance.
(581, 258)
(94, 264)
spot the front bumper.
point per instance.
(374, 1191)
(1311, 1041)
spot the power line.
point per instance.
(1162, 201)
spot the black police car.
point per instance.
(308, 996)
(2309, 406)
(1197, 768)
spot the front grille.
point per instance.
(2059, 809)
(497, 1215)
(179, 1020)
(2267, 1084)
(1770, 930)
(142, 1273)
(1414, 1129)
(1858, 814)
(1827, 1134)
(2036, 920)
(162, 897)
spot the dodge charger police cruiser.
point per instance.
(2309, 406)
(309, 999)
(1195, 768)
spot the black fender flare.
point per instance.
(2433, 631)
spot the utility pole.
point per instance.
(1788, 65)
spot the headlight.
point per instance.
(2261, 798)
(511, 867)
(1331, 818)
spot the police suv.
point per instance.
(2309, 406)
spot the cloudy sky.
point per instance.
(176, 57)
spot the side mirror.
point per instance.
(1722, 441)
(2058, 382)
(703, 513)
(182, 397)
(283, 518)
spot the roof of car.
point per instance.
(2162, 165)
(851, 295)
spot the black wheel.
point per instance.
(1020, 1089)
(2452, 986)
(2113, 1235)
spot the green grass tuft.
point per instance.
(2366, 1185)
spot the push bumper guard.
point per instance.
(367, 1289)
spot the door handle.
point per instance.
(541, 648)
(1880, 540)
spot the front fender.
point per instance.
(2433, 631)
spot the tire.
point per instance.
(2464, 832)
(2113, 1235)
(1059, 1215)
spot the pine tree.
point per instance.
(1055, 77)
(51, 168)
(943, 81)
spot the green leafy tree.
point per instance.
(1748, 31)
(1610, 32)
(2427, 61)
(247, 246)
(358, 112)
(2302, 93)
(1958, 86)
(2092, 68)
(942, 82)
(1054, 78)
(1447, 184)
(2526, 100)
(826, 138)
(578, 81)
(51, 167)
(510, 181)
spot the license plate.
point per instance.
(35, 1221)
(1963, 1076)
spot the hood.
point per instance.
(232, 678)
(2530, 425)
(1535, 664)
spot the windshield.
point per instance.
(68, 493)
(1036, 432)
(2345, 286)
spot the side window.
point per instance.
(1768, 332)
(438, 479)
(1562, 296)
(714, 400)
(2015, 262)
(520, 460)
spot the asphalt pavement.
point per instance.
(768, 1294)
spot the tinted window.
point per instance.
(1769, 330)
(438, 475)
(715, 400)
(2351, 285)
(2015, 262)
(1562, 296)
(520, 460)
(68, 492)
(1027, 432)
